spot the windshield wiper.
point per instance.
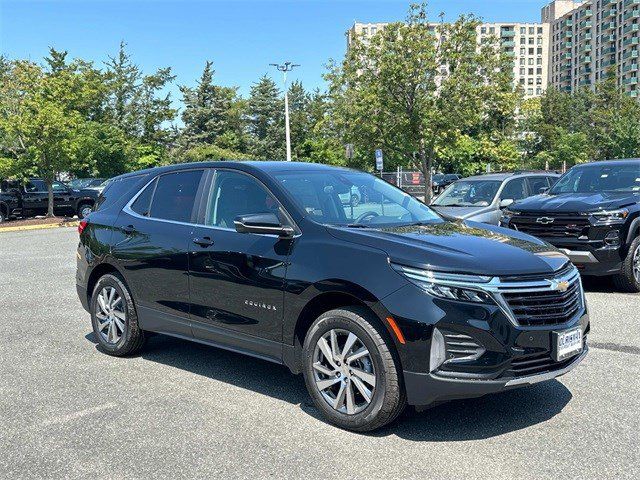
(357, 225)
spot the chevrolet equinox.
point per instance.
(377, 304)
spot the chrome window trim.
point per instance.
(127, 208)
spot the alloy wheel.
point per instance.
(343, 371)
(111, 315)
(85, 211)
(636, 264)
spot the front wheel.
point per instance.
(113, 317)
(351, 372)
(628, 280)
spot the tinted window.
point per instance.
(237, 194)
(35, 186)
(142, 203)
(600, 178)
(115, 190)
(175, 196)
(537, 183)
(514, 190)
(59, 187)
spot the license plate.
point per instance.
(568, 343)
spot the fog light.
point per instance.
(612, 238)
(438, 351)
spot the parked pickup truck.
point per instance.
(32, 198)
(9, 205)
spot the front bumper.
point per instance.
(598, 262)
(429, 388)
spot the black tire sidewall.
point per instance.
(124, 345)
(349, 322)
(628, 264)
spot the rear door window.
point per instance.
(175, 196)
(143, 202)
(514, 190)
(34, 186)
(536, 184)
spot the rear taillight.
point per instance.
(81, 226)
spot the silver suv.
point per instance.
(482, 198)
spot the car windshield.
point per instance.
(468, 193)
(354, 199)
(599, 178)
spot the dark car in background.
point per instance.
(33, 198)
(593, 215)
(440, 181)
(482, 198)
(9, 205)
(377, 305)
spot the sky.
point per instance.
(241, 37)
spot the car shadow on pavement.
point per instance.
(599, 284)
(460, 420)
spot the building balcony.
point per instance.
(607, 50)
(609, 12)
(630, 81)
(631, 2)
(584, 82)
(586, 24)
(604, 3)
(585, 48)
(608, 26)
(630, 67)
(633, 93)
(567, 45)
(508, 44)
(608, 63)
(630, 41)
(635, 13)
(632, 53)
(507, 33)
(568, 22)
(586, 59)
(634, 27)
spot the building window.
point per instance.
(539, 40)
(483, 30)
(523, 30)
(530, 91)
(374, 30)
(365, 31)
(522, 61)
(522, 71)
(539, 30)
(539, 71)
(523, 41)
(539, 50)
(522, 81)
(530, 81)
(532, 30)
(523, 51)
(539, 60)
(531, 40)
(539, 91)
(539, 81)
(492, 30)
(531, 51)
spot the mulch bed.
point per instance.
(36, 221)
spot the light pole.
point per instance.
(284, 68)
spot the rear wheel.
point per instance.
(2, 216)
(628, 280)
(351, 372)
(113, 317)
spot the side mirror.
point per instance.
(544, 189)
(262, 223)
(506, 202)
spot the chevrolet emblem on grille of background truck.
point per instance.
(544, 220)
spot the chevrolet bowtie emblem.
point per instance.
(561, 286)
(544, 220)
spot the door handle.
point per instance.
(203, 242)
(129, 230)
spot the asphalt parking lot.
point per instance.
(182, 410)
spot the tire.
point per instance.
(387, 399)
(628, 280)
(3, 218)
(130, 338)
(84, 209)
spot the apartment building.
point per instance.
(591, 40)
(526, 43)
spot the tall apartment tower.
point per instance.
(526, 43)
(591, 40)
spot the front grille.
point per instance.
(563, 226)
(535, 364)
(546, 307)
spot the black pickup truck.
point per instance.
(26, 199)
(592, 214)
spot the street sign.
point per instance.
(379, 164)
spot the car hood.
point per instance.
(461, 212)
(460, 247)
(576, 202)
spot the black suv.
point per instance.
(592, 214)
(377, 304)
(32, 198)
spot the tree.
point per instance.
(265, 120)
(412, 89)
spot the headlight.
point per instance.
(452, 286)
(611, 216)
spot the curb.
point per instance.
(38, 227)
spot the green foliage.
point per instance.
(414, 91)
(265, 113)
